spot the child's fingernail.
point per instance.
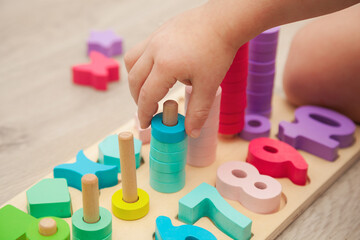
(195, 133)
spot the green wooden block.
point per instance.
(109, 151)
(49, 197)
(63, 231)
(14, 223)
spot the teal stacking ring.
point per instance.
(166, 167)
(168, 134)
(169, 147)
(173, 157)
(167, 177)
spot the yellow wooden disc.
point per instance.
(130, 211)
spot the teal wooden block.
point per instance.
(166, 167)
(14, 223)
(73, 172)
(49, 197)
(167, 187)
(62, 233)
(168, 157)
(169, 147)
(109, 151)
(205, 201)
(167, 177)
(165, 231)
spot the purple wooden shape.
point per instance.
(105, 42)
(261, 67)
(255, 126)
(319, 131)
(266, 113)
(268, 36)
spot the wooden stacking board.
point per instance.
(295, 199)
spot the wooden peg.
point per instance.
(170, 113)
(128, 168)
(47, 227)
(90, 196)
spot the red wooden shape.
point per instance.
(277, 159)
(97, 73)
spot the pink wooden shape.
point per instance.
(242, 182)
(98, 73)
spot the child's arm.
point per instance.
(197, 48)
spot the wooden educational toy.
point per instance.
(105, 42)
(277, 159)
(48, 228)
(144, 134)
(255, 126)
(49, 197)
(14, 223)
(202, 150)
(319, 131)
(91, 222)
(294, 198)
(262, 55)
(166, 231)
(73, 172)
(109, 151)
(130, 202)
(233, 96)
(241, 181)
(168, 148)
(205, 201)
(98, 73)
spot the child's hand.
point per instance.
(190, 48)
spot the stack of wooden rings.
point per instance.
(233, 99)
(168, 148)
(262, 54)
(202, 150)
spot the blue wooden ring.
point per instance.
(166, 167)
(168, 134)
(169, 147)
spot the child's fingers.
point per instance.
(154, 89)
(138, 74)
(132, 56)
(198, 109)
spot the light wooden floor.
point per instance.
(45, 119)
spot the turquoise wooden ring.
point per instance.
(169, 147)
(167, 177)
(168, 134)
(173, 157)
(166, 167)
(167, 187)
(100, 230)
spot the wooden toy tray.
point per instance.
(295, 199)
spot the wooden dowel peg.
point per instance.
(90, 196)
(47, 227)
(170, 113)
(128, 167)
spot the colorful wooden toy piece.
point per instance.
(255, 126)
(91, 222)
(14, 223)
(73, 172)
(105, 42)
(49, 228)
(168, 149)
(277, 159)
(241, 181)
(165, 231)
(130, 202)
(109, 151)
(202, 150)
(205, 201)
(98, 73)
(49, 197)
(144, 134)
(319, 131)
